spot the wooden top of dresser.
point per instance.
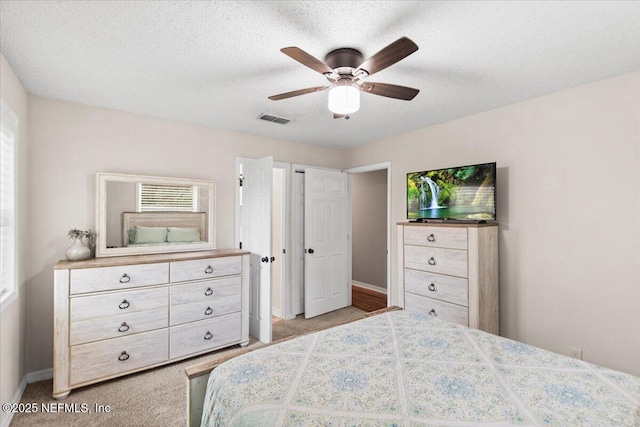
(449, 224)
(147, 259)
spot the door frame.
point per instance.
(371, 168)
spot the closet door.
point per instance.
(327, 286)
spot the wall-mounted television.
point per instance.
(458, 193)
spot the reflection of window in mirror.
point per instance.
(159, 197)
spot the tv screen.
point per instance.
(459, 193)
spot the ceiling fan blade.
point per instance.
(305, 59)
(389, 90)
(389, 55)
(297, 93)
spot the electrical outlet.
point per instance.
(576, 353)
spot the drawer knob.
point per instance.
(208, 336)
(123, 356)
(432, 261)
(124, 327)
(208, 270)
(124, 304)
(208, 311)
(208, 292)
(431, 238)
(432, 287)
(433, 313)
(125, 278)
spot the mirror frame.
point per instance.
(101, 215)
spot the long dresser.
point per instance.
(450, 271)
(119, 315)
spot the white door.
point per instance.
(255, 223)
(326, 215)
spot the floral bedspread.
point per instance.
(407, 369)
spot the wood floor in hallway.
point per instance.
(366, 299)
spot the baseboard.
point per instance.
(44, 374)
(368, 286)
(276, 312)
(15, 399)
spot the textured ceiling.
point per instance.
(214, 63)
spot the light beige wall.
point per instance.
(568, 206)
(13, 317)
(369, 227)
(121, 197)
(70, 142)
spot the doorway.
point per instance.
(371, 235)
(284, 282)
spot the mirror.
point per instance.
(148, 214)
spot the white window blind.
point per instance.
(8, 205)
(160, 197)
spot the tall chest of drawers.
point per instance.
(450, 271)
(115, 316)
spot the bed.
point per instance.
(192, 225)
(400, 368)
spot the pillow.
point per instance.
(150, 235)
(132, 234)
(183, 234)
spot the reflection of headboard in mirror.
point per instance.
(163, 219)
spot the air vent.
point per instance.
(274, 119)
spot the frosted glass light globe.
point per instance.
(344, 99)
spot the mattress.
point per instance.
(408, 369)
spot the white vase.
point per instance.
(78, 250)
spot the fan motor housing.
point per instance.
(345, 57)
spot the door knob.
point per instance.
(311, 251)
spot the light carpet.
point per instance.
(156, 397)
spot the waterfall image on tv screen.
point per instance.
(465, 192)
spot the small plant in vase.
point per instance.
(91, 238)
(78, 249)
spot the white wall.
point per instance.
(70, 142)
(13, 317)
(369, 227)
(568, 207)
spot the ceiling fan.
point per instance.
(345, 70)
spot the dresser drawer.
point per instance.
(445, 288)
(85, 280)
(205, 268)
(208, 290)
(184, 313)
(437, 237)
(101, 328)
(115, 303)
(205, 335)
(443, 310)
(118, 355)
(436, 260)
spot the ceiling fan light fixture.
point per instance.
(344, 98)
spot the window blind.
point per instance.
(159, 197)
